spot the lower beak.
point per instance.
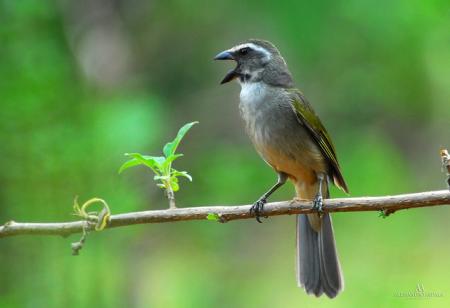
(230, 76)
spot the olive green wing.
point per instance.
(308, 118)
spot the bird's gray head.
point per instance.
(257, 60)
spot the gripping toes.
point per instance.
(318, 203)
(258, 208)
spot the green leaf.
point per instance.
(213, 217)
(76, 206)
(158, 159)
(174, 185)
(128, 164)
(167, 150)
(160, 178)
(171, 147)
(170, 159)
(153, 162)
(181, 173)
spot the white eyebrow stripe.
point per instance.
(254, 47)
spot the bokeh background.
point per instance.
(83, 82)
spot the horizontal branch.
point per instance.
(388, 204)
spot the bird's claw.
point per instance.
(257, 208)
(318, 204)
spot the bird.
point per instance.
(290, 138)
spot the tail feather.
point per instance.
(332, 274)
(310, 272)
(318, 268)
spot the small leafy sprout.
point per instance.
(382, 214)
(385, 213)
(165, 175)
(100, 218)
(213, 217)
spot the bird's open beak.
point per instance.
(227, 55)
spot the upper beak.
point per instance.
(224, 55)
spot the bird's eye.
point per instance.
(244, 51)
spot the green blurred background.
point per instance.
(83, 82)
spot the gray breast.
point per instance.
(266, 111)
(271, 121)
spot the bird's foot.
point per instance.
(318, 204)
(258, 208)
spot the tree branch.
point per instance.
(387, 204)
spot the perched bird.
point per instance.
(290, 137)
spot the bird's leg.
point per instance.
(258, 206)
(318, 200)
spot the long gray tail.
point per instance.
(318, 268)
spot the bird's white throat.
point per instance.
(252, 92)
(252, 98)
